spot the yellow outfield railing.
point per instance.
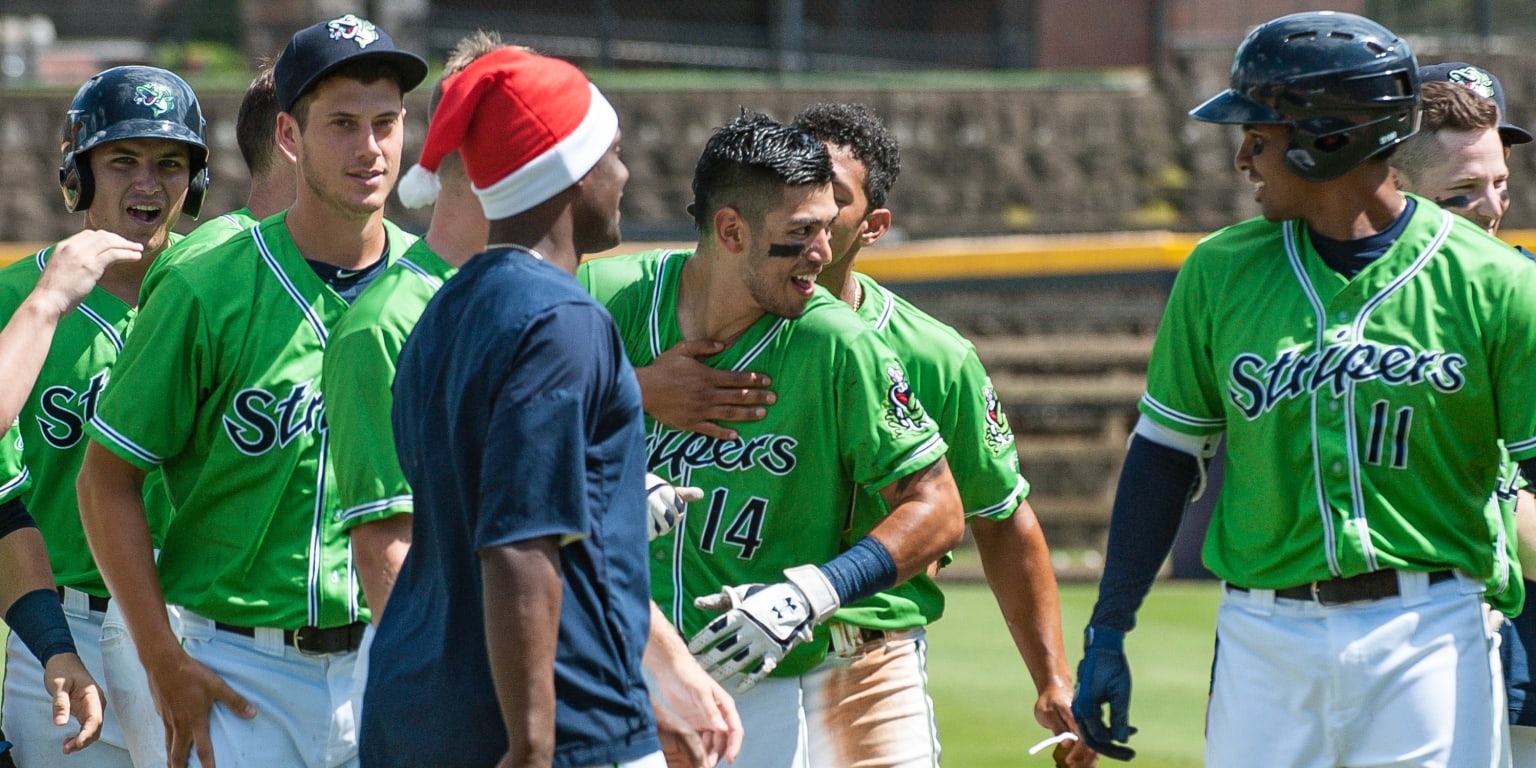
(971, 258)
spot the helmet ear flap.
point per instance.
(197, 190)
(76, 183)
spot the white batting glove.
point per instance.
(761, 624)
(665, 504)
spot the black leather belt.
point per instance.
(1374, 585)
(312, 640)
(97, 604)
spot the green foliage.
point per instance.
(206, 64)
(985, 700)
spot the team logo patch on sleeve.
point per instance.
(156, 96)
(902, 410)
(998, 434)
(350, 27)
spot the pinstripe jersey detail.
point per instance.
(101, 322)
(371, 507)
(16, 482)
(1007, 504)
(419, 271)
(288, 286)
(1180, 417)
(1293, 251)
(654, 320)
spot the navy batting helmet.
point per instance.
(132, 103)
(1347, 86)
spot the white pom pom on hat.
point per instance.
(526, 126)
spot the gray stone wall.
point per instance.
(987, 161)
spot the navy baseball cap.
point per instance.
(1482, 82)
(318, 49)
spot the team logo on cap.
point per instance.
(349, 27)
(159, 98)
(902, 410)
(1474, 79)
(998, 436)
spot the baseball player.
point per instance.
(27, 589)
(218, 390)
(877, 634)
(134, 161)
(1458, 159)
(520, 434)
(375, 497)
(768, 550)
(1363, 351)
(272, 179)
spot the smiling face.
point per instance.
(781, 285)
(348, 150)
(1467, 174)
(1281, 194)
(140, 186)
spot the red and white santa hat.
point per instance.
(527, 126)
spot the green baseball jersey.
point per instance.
(13, 470)
(1506, 587)
(200, 240)
(219, 388)
(359, 371)
(779, 495)
(1362, 415)
(50, 426)
(954, 388)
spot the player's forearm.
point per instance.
(664, 647)
(380, 547)
(522, 593)
(23, 347)
(926, 519)
(117, 528)
(1525, 532)
(1154, 489)
(1017, 564)
(23, 566)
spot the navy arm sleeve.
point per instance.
(1155, 485)
(14, 517)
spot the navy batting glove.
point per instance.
(1103, 677)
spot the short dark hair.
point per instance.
(255, 123)
(1444, 107)
(364, 70)
(858, 128)
(749, 161)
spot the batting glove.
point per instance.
(761, 624)
(664, 504)
(1103, 677)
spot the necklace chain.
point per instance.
(515, 247)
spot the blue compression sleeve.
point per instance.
(38, 619)
(1155, 486)
(865, 569)
(14, 517)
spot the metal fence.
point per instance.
(785, 35)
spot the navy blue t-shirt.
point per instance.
(516, 416)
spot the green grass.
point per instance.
(985, 700)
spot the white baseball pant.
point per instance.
(869, 710)
(28, 710)
(304, 703)
(1410, 680)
